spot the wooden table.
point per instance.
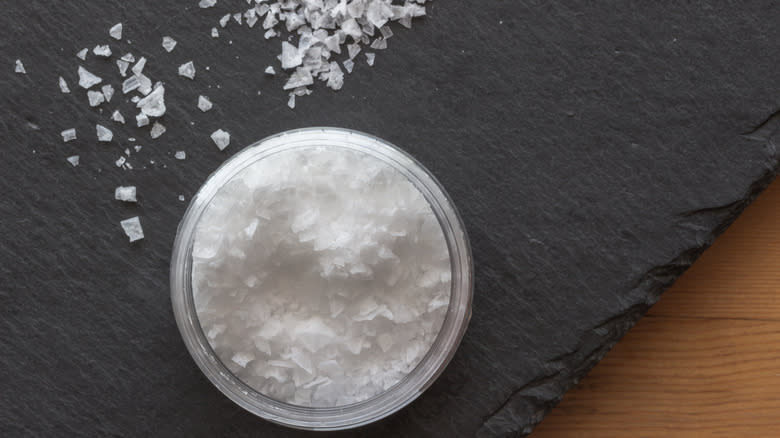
(705, 361)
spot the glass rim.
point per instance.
(415, 382)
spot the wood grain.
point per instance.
(705, 362)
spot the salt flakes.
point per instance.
(82, 54)
(132, 228)
(168, 43)
(103, 134)
(116, 31)
(349, 65)
(73, 160)
(120, 161)
(370, 58)
(138, 68)
(68, 135)
(95, 98)
(153, 105)
(224, 20)
(221, 139)
(19, 67)
(204, 104)
(125, 194)
(108, 92)
(130, 84)
(180, 155)
(270, 71)
(118, 117)
(181, 198)
(214, 32)
(157, 130)
(103, 51)
(123, 65)
(187, 70)
(64, 85)
(207, 3)
(87, 79)
(141, 120)
(291, 101)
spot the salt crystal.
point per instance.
(319, 300)
(68, 135)
(251, 21)
(181, 198)
(187, 70)
(132, 228)
(291, 57)
(349, 65)
(144, 84)
(103, 134)
(270, 71)
(370, 58)
(125, 194)
(291, 101)
(386, 32)
(108, 92)
(237, 17)
(153, 105)
(123, 65)
(128, 57)
(141, 120)
(130, 84)
(204, 104)
(95, 98)
(224, 20)
(157, 130)
(379, 44)
(82, 54)
(168, 43)
(138, 68)
(214, 32)
(221, 139)
(73, 160)
(19, 67)
(135, 99)
(64, 86)
(116, 31)
(207, 3)
(103, 50)
(353, 49)
(137, 147)
(87, 79)
(300, 78)
(120, 161)
(180, 155)
(127, 151)
(118, 117)
(335, 76)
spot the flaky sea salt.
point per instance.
(116, 31)
(181, 198)
(270, 71)
(103, 50)
(95, 98)
(180, 155)
(214, 32)
(207, 3)
(132, 228)
(221, 139)
(168, 43)
(125, 194)
(73, 160)
(370, 58)
(68, 135)
(320, 276)
(63, 85)
(108, 92)
(19, 67)
(157, 130)
(153, 105)
(82, 54)
(87, 79)
(141, 120)
(118, 117)
(204, 104)
(103, 134)
(187, 70)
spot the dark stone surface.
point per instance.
(594, 150)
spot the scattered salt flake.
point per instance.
(95, 98)
(370, 58)
(157, 130)
(138, 68)
(221, 139)
(87, 79)
(73, 160)
(349, 65)
(108, 92)
(116, 31)
(127, 152)
(207, 3)
(123, 65)
(301, 77)
(204, 104)
(19, 67)
(135, 99)
(153, 105)
(132, 228)
(214, 32)
(242, 359)
(291, 101)
(335, 76)
(141, 120)
(103, 134)
(181, 198)
(237, 17)
(64, 86)
(128, 57)
(130, 84)
(224, 20)
(180, 155)
(102, 50)
(125, 194)
(270, 70)
(168, 43)
(120, 162)
(291, 57)
(144, 84)
(251, 20)
(187, 70)
(82, 54)
(118, 117)
(353, 50)
(68, 135)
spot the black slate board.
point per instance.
(594, 150)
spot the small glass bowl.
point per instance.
(385, 403)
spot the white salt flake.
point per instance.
(242, 359)
(19, 67)
(180, 155)
(120, 161)
(187, 70)
(214, 32)
(224, 20)
(128, 57)
(207, 3)
(117, 117)
(141, 120)
(68, 135)
(349, 65)
(125, 194)
(73, 160)
(291, 57)
(204, 104)
(132, 228)
(221, 139)
(95, 98)
(157, 130)
(64, 85)
(102, 50)
(300, 78)
(82, 54)
(168, 43)
(291, 101)
(137, 147)
(130, 84)
(153, 105)
(144, 84)
(116, 31)
(237, 17)
(138, 68)
(123, 66)
(370, 58)
(181, 198)
(108, 92)
(87, 79)
(270, 71)
(103, 134)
